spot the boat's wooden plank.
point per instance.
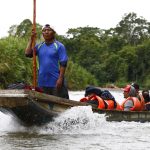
(50, 98)
(4, 94)
(141, 116)
(54, 107)
(10, 102)
(14, 91)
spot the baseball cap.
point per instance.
(127, 88)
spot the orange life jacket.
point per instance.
(84, 99)
(136, 104)
(118, 107)
(101, 102)
(111, 105)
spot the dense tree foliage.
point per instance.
(13, 65)
(98, 57)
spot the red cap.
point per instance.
(127, 88)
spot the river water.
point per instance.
(76, 129)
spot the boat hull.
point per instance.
(138, 116)
(34, 108)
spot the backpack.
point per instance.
(106, 95)
(90, 89)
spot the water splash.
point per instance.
(8, 124)
(75, 120)
(72, 121)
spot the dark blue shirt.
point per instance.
(49, 57)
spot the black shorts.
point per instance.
(62, 92)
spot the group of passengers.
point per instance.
(134, 99)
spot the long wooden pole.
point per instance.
(34, 50)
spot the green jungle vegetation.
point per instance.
(97, 56)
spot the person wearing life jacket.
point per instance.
(146, 96)
(139, 95)
(110, 100)
(92, 96)
(131, 102)
(102, 99)
(90, 91)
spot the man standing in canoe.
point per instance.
(52, 59)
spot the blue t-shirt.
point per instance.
(49, 57)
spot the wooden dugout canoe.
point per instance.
(34, 108)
